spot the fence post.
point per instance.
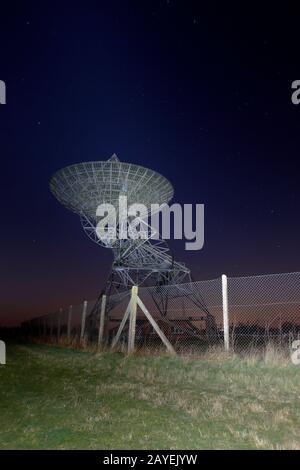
(122, 324)
(156, 327)
(102, 318)
(51, 326)
(58, 323)
(83, 320)
(225, 311)
(132, 319)
(69, 321)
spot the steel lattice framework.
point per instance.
(84, 186)
(148, 262)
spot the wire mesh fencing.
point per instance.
(190, 315)
(240, 313)
(66, 323)
(264, 309)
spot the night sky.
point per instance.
(202, 96)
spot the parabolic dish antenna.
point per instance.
(84, 186)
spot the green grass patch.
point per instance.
(54, 398)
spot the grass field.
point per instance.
(54, 398)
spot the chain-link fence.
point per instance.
(264, 309)
(239, 313)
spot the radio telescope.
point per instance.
(82, 187)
